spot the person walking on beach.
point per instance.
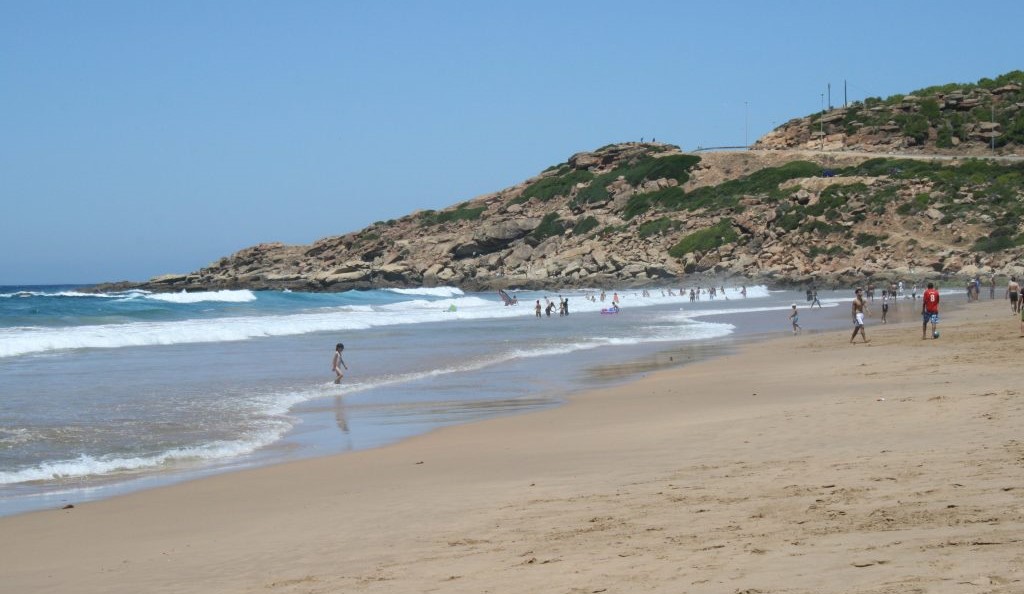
(858, 316)
(814, 294)
(337, 363)
(885, 305)
(930, 310)
(1013, 291)
(794, 318)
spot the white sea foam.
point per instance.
(431, 292)
(86, 465)
(19, 341)
(57, 294)
(227, 296)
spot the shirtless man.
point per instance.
(1013, 292)
(858, 316)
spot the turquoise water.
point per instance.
(102, 393)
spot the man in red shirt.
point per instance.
(930, 311)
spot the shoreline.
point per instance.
(321, 425)
(777, 477)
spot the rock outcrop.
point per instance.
(634, 214)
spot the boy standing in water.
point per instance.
(337, 363)
(794, 317)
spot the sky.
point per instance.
(140, 137)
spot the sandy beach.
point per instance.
(801, 464)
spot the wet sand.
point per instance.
(802, 464)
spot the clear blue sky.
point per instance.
(144, 137)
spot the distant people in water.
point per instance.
(337, 363)
(537, 309)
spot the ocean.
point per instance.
(102, 394)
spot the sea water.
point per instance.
(103, 393)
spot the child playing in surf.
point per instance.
(337, 363)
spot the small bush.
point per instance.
(867, 239)
(1001, 238)
(585, 226)
(547, 188)
(817, 227)
(765, 181)
(657, 226)
(789, 221)
(462, 213)
(706, 239)
(671, 198)
(675, 167)
(612, 230)
(549, 226)
(597, 190)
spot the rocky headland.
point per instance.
(929, 184)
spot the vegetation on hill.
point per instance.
(641, 212)
(986, 114)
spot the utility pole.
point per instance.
(821, 122)
(844, 93)
(830, 95)
(746, 124)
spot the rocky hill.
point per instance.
(963, 119)
(635, 214)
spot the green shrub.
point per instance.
(547, 188)
(914, 126)
(765, 181)
(706, 239)
(675, 167)
(789, 221)
(929, 108)
(597, 190)
(462, 213)
(649, 168)
(832, 251)
(944, 137)
(613, 230)
(1001, 238)
(867, 239)
(549, 226)
(657, 226)
(585, 226)
(819, 227)
(834, 197)
(671, 198)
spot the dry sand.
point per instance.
(798, 465)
